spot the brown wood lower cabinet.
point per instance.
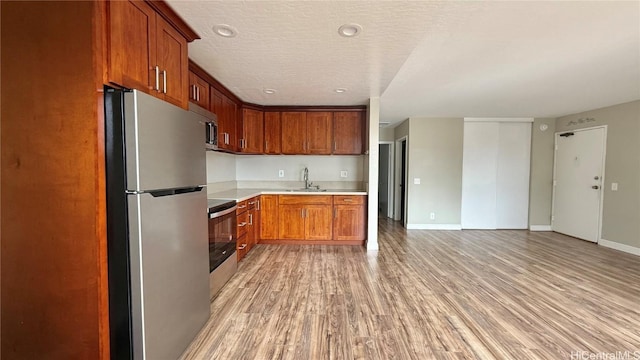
(268, 217)
(321, 219)
(304, 217)
(349, 217)
(248, 218)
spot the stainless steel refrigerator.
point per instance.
(156, 226)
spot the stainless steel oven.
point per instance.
(222, 243)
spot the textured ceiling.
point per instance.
(424, 59)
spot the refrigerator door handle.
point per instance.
(169, 192)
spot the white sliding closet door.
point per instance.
(512, 185)
(479, 171)
(495, 175)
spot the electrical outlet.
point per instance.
(343, 173)
(280, 173)
(614, 186)
(432, 216)
(416, 181)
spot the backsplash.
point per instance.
(229, 171)
(321, 168)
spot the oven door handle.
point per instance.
(222, 213)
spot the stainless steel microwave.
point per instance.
(211, 126)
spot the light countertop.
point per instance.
(244, 194)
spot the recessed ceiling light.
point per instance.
(269, 91)
(341, 90)
(225, 30)
(350, 30)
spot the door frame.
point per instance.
(390, 179)
(604, 160)
(397, 173)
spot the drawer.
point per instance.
(305, 199)
(348, 199)
(242, 206)
(253, 203)
(243, 222)
(242, 247)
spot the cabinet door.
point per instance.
(294, 130)
(227, 125)
(269, 217)
(319, 128)
(252, 131)
(318, 220)
(348, 131)
(272, 133)
(132, 45)
(349, 222)
(198, 91)
(172, 59)
(215, 104)
(291, 222)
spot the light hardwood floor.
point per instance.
(428, 295)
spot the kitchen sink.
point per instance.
(306, 190)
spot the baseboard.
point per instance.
(622, 247)
(434, 227)
(540, 228)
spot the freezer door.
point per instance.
(169, 272)
(165, 144)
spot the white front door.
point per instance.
(579, 164)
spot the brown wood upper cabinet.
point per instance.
(198, 91)
(272, 133)
(294, 129)
(348, 133)
(306, 132)
(226, 110)
(319, 129)
(251, 132)
(145, 52)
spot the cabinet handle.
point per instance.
(335, 146)
(258, 205)
(242, 224)
(242, 206)
(164, 81)
(157, 88)
(302, 213)
(197, 93)
(347, 200)
(250, 219)
(266, 145)
(242, 247)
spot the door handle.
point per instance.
(164, 81)
(157, 79)
(595, 187)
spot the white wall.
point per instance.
(373, 120)
(221, 167)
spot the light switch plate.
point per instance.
(416, 181)
(343, 173)
(280, 173)
(614, 186)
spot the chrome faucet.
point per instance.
(307, 183)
